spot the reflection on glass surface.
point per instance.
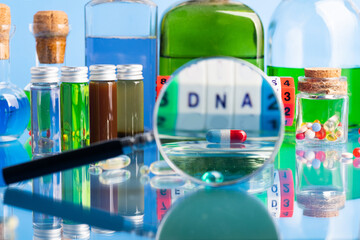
(321, 190)
(222, 95)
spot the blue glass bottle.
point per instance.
(124, 32)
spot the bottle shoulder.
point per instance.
(200, 8)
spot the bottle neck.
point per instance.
(5, 71)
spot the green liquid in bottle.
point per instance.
(75, 134)
(353, 76)
(207, 29)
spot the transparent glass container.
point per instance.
(208, 28)
(320, 186)
(124, 32)
(14, 105)
(322, 118)
(316, 33)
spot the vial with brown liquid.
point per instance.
(103, 103)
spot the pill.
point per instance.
(302, 129)
(331, 137)
(321, 134)
(226, 136)
(329, 126)
(144, 170)
(310, 155)
(114, 176)
(316, 127)
(300, 136)
(309, 125)
(347, 155)
(161, 168)
(320, 155)
(359, 131)
(356, 152)
(310, 134)
(316, 164)
(119, 162)
(339, 131)
(317, 121)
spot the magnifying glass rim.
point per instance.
(225, 183)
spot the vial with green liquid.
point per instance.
(208, 28)
(74, 92)
(305, 34)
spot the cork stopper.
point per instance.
(5, 26)
(323, 81)
(50, 29)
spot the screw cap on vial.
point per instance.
(74, 74)
(103, 72)
(44, 75)
(129, 72)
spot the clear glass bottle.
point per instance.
(207, 28)
(14, 105)
(320, 186)
(322, 108)
(317, 33)
(124, 32)
(45, 111)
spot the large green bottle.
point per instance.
(207, 28)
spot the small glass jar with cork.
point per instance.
(322, 107)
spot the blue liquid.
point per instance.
(14, 112)
(45, 119)
(128, 51)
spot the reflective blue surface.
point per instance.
(142, 200)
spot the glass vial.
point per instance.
(124, 32)
(14, 105)
(322, 107)
(74, 92)
(320, 190)
(208, 28)
(305, 34)
(45, 111)
(103, 103)
(130, 100)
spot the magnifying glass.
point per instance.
(218, 121)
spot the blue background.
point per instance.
(23, 43)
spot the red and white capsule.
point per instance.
(226, 136)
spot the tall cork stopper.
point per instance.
(50, 29)
(5, 26)
(323, 81)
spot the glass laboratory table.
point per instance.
(128, 198)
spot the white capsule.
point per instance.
(316, 164)
(302, 129)
(310, 155)
(309, 125)
(310, 134)
(347, 155)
